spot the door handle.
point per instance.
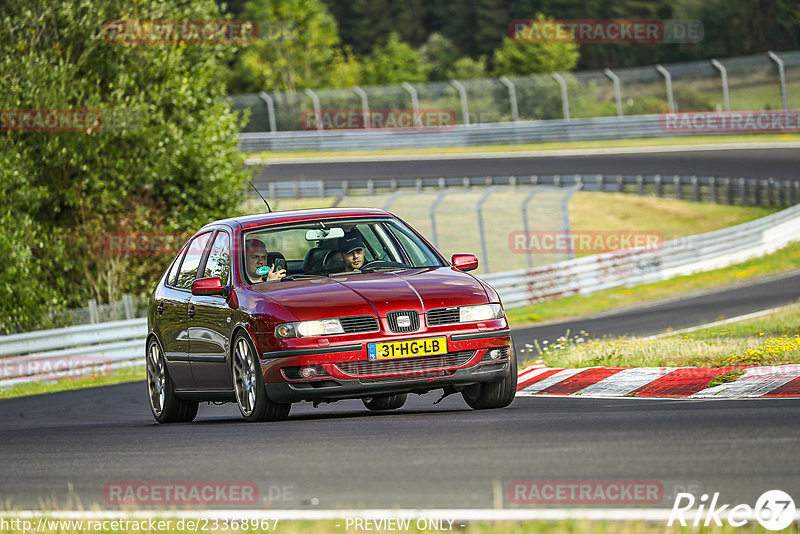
(160, 308)
(191, 312)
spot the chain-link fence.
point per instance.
(763, 81)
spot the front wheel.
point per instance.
(498, 394)
(385, 402)
(165, 406)
(248, 383)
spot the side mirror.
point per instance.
(464, 262)
(208, 286)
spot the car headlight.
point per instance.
(321, 327)
(481, 312)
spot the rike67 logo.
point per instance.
(774, 510)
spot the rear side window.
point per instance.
(219, 259)
(191, 262)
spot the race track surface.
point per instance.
(778, 163)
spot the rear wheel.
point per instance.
(497, 394)
(385, 402)
(248, 383)
(165, 406)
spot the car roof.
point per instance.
(281, 217)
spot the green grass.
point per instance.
(772, 339)
(532, 147)
(117, 376)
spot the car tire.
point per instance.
(248, 384)
(164, 404)
(385, 402)
(497, 394)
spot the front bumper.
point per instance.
(348, 373)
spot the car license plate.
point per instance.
(407, 348)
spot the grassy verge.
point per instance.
(772, 339)
(117, 376)
(532, 147)
(784, 260)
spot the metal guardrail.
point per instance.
(727, 190)
(500, 133)
(693, 254)
(71, 352)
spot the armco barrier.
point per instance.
(499, 133)
(50, 352)
(678, 257)
(122, 343)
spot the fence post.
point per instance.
(668, 81)
(729, 189)
(723, 72)
(695, 189)
(657, 180)
(640, 184)
(93, 314)
(525, 225)
(462, 95)
(271, 110)
(713, 187)
(127, 302)
(745, 195)
(482, 229)
(617, 91)
(512, 97)
(434, 233)
(677, 181)
(564, 96)
(317, 108)
(364, 106)
(414, 98)
(565, 226)
(782, 75)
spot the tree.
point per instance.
(519, 58)
(395, 62)
(161, 157)
(439, 53)
(298, 47)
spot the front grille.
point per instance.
(443, 316)
(406, 365)
(413, 319)
(359, 323)
(405, 378)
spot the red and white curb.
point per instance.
(681, 382)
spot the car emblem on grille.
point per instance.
(403, 321)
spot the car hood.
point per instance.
(375, 293)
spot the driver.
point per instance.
(352, 248)
(256, 256)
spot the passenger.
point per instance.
(256, 256)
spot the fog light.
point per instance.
(308, 372)
(495, 354)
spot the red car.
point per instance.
(322, 305)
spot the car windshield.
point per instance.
(328, 247)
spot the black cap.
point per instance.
(350, 242)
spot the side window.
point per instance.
(219, 259)
(172, 277)
(191, 262)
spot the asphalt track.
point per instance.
(64, 448)
(778, 163)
